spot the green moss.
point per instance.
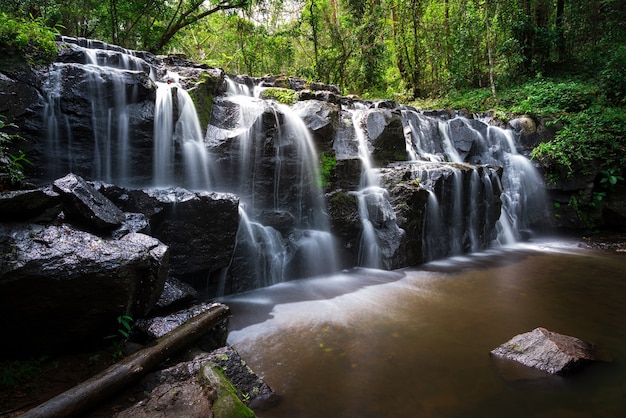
(227, 403)
(281, 95)
(328, 164)
(202, 95)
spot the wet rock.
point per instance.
(175, 293)
(322, 119)
(199, 227)
(217, 383)
(549, 351)
(157, 327)
(22, 205)
(62, 289)
(258, 395)
(280, 220)
(85, 205)
(386, 133)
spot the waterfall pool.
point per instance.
(416, 342)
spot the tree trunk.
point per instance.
(560, 41)
(89, 393)
(489, 53)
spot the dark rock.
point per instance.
(22, 205)
(282, 221)
(322, 119)
(549, 351)
(258, 394)
(386, 133)
(157, 327)
(199, 227)
(85, 205)
(175, 293)
(133, 222)
(62, 289)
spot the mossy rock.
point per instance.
(227, 404)
(280, 94)
(203, 94)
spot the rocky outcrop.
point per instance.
(549, 351)
(385, 132)
(62, 288)
(74, 259)
(199, 227)
(206, 383)
(86, 205)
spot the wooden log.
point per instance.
(89, 393)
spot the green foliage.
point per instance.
(123, 332)
(613, 77)
(610, 177)
(545, 96)
(30, 39)
(11, 165)
(595, 137)
(328, 164)
(281, 95)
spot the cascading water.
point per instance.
(380, 235)
(109, 97)
(273, 168)
(176, 122)
(453, 223)
(110, 79)
(263, 152)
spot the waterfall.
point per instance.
(452, 171)
(380, 235)
(176, 123)
(273, 168)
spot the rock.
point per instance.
(199, 227)
(386, 133)
(157, 327)
(22, 205)
(258, 395)
(322, 119)
(85, 205)
(218, 383)
(549, 351)
(62, 289)
(175, 293)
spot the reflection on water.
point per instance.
(416, 342)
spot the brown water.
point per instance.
(415, 343)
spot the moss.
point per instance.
(281, 95)
(202, 95)
(227, 403)
(328, 164)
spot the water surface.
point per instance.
(416, 342)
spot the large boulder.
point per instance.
(321, 118)
(385, 132)
(549, 351)
(199, 227)
(62, 288)
(86, 205)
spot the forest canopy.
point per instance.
(406, 48)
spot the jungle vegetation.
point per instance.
(560, 58)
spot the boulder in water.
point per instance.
(549, 351)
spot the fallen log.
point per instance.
(89, 393)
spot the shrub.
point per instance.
(613, 77)
(30, 39)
